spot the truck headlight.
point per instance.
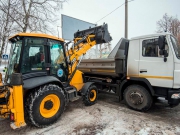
(175, 96)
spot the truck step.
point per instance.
(72, 94)
(71, 91)
(74, 99)
(69, 88)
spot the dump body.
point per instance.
(98, 66)
(114, 65)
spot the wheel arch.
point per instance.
(139, 81)
(85, 87)
(35, 82)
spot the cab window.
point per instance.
(150, 48)
(58, 63)
(33, 55)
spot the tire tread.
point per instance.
(34, 96)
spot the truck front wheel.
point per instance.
(137, 98)
(44, 106)
(90, 96)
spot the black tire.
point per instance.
(52, 97)
(90, 96)
(137, 98)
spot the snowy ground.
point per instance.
(107, 117)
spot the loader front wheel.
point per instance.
(90, 96)
(44, 106)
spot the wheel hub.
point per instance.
(91, 95)
(48, 105)
(136, 98)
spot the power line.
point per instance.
(113, 11)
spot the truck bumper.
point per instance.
(174, 97)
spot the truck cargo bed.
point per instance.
(113, 66)
(98, 66)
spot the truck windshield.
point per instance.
(14, 58)
(176, 46)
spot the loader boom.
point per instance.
(83, 41)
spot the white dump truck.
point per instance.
(139, 70)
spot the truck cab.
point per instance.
(156, 58)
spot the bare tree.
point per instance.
(6, 24)
(36, 15)
(169, 24)
(175, 27)
(27, 16)
(164, 23)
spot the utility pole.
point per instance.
(126, 19)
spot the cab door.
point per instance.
(152, 65)
(57, 59)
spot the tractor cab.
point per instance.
(36, 55)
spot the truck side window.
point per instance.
(150, 48)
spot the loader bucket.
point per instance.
(101, 34)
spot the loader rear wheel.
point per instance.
(44, 106)
(138, 98)
(90, 96)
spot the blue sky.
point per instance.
(143, 14)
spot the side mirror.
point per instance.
(161, 52)
(165, 53)
(161, 42)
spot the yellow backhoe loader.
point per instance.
(42, 76)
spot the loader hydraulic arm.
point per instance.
(83, 41)
(79, 50)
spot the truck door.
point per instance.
(152, 65)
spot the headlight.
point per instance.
(175, 96)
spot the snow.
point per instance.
(107, 116)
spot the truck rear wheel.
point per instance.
(90, 96)
(44, 106)
(138, 98)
